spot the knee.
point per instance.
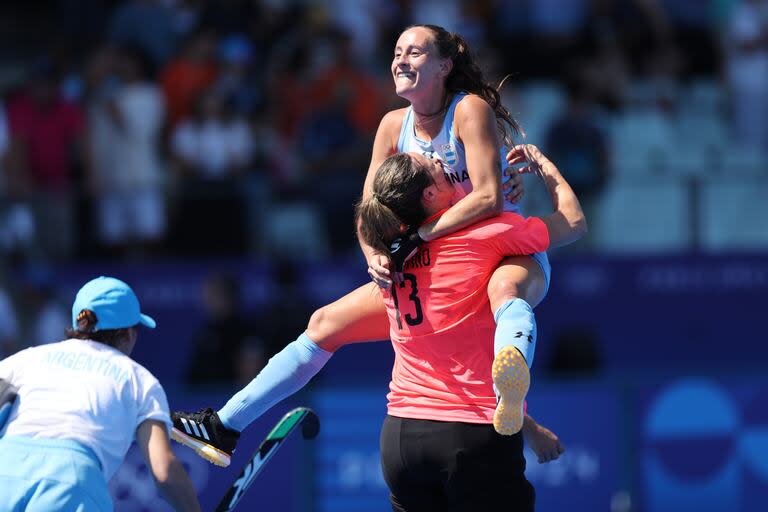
(501, 290)
(321, 329)
(517, 278)
(317, 328)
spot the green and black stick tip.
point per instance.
(310, 427)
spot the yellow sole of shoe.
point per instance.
(512, 379)
(208, 452)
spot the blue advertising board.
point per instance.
(586, 416)
(655, 444)
(684, 305)
(703, 444)
(346, 454)
(282, 486)
(622, 304)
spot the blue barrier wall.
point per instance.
(670, 312)
(702, 444)
(638, 431)
(658, 444)
(347, 455)
(282, 486)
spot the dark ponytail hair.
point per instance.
(466, 76)
(394, 205)
(86, 323)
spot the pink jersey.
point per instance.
(443, 335)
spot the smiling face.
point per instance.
(417, 68)
(439, 195)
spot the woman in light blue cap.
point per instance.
(80, 404)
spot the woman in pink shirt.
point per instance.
(438, 446)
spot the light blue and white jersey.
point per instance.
(83, 391)
(447, 148)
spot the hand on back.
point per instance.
(378, 269)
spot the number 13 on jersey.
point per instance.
(408, 284)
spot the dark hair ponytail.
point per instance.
(86, 323)
(394, 205)
(86, 320)
(467, 76)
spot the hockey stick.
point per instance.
(301, 416)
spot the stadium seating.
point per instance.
(733, 214)
(295, 230)
(643, 216)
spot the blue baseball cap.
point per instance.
(113, 302)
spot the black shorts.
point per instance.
(451, 466)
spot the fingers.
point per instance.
(513, 159)
(526, 169)
(509, 187)
(380, 276)
(514, 195)
(523, 153)
(513, 188)
(378, 269)
(553, 453)
(548, 457)
(530, 151)
(516, 150)
(514, 181)
(384, 284)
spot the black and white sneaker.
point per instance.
(203, 432)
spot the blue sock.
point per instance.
(286, 372)
(516, 326)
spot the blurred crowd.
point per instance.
(234, 128)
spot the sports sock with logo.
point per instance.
(516, 326)
(286, 372)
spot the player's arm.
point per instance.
(544, 443)
(567, 224)
(384, 145)
(169, 474)
(475, 125)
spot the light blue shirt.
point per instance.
(447, 148)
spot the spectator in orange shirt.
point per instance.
(361, 88)
(188, 75)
